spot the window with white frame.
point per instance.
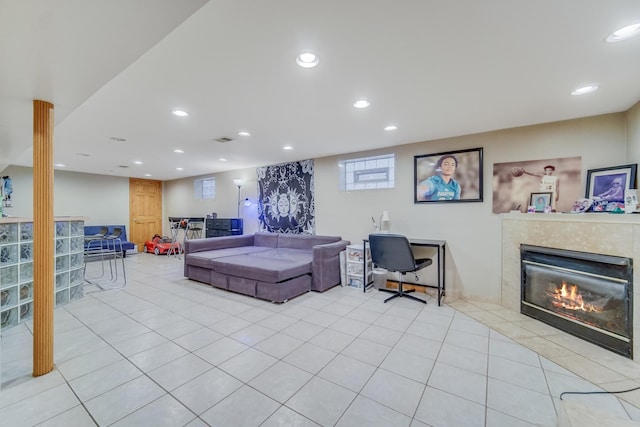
(368, 173)
(204, 188)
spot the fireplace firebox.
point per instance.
(587, 295)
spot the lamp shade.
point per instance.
(237, 181)
(385, 216)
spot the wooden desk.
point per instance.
(440, 262)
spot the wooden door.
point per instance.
(145, 210)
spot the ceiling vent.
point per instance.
(123, 166)
(224, 139)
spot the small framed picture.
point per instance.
(541, 201)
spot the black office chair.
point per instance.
(393, 253)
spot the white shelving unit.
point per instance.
(357, 257)
(16, 267)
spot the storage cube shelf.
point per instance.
(355, 266)
(16, 267)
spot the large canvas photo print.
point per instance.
(515, 182)
(453, 176)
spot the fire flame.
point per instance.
(568, 297)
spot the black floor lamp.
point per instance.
(238, 182)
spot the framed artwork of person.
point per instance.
(454, 176)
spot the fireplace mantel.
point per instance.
(600, 218)
(601, 233)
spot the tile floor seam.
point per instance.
(175, 286)
(144, 373)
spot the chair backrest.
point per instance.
(392, 252)
(117, 232)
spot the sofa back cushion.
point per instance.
(303, 241)
(269, 240)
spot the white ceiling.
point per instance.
(435, 68)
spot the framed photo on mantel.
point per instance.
(609, 184)
(541, 202)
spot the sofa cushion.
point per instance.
(266, 269)
(242, 285)
(303, 241)
(266, 239)
(280, 292)
(203, 258)
(295, 255)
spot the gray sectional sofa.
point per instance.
(270, 266)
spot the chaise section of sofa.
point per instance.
(270, 266)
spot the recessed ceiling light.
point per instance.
(361, 103)
(624, 33)
(244, 133)
(147, 174)
(179, 169)
(138, 162)
(61, 165)
(307, 60)
(287, 147)
(179, 113)
(179, 151)
(389, 128)
(585, 89)
(222, 159)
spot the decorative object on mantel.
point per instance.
(631, 200)
(607, 187)
(581, 205)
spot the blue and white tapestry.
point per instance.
(286, 202)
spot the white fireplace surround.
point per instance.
(601, 233)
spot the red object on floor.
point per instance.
(161, 245)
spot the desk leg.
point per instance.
(441, 273)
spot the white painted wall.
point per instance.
(179, 198)
(100, 199)
(471, 230)
(633, 134)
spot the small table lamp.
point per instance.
(384, 219)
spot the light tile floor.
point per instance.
(166, 351)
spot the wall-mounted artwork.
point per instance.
(454, 176)
(286, 193)
(514, 182)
